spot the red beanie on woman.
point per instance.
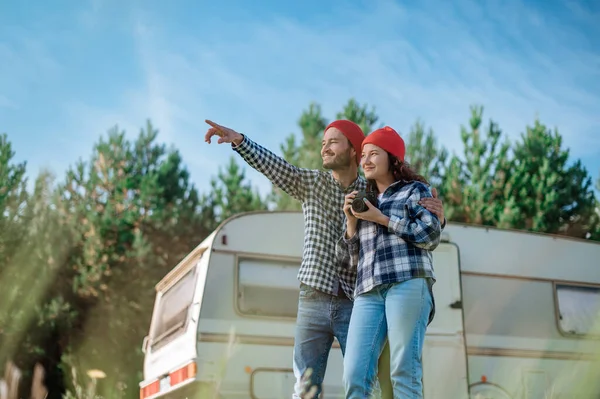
(387, 139)
(353, 133)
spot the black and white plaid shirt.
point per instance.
(399, 251)
(322, 200)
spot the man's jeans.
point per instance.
(321, 317)
(399, 312)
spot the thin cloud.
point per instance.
(425, 61)
(25, 63)
(7, 103)
(260, 82)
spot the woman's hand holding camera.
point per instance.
(351, 220)
(372, 214)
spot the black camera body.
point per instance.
(358, 203)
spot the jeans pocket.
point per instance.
(307, 292)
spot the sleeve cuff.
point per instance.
(243, 146)
(397, 224)
(352, 240)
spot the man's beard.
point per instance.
(341, 161)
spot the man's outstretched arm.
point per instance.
(293, 180)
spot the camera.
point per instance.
(358, 203)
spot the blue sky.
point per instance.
(70, 70)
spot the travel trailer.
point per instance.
(518, 316)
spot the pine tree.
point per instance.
(282, 201)
(13, 197)
(424, 155)
(231, 193)
(547, 194)
(135, 215)
(473, 184)
(306, 154)
(43, 307)
(33, 246)
(13, 240)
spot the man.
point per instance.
(324, 307)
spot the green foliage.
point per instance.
(473, 183)
(134, 214)
(545, 193)
(291, 152)
(13, 232)
(33, 256)
(231, 194)
(525, 185)
(13, 197)
(424, 155)
(311, 123)
(305, 154)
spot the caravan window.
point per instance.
(267, 287)
(173, 306)
(578, 309)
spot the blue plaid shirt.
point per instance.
(399, 251)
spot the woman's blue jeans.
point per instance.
(400, 312)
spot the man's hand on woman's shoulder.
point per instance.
(434, 205)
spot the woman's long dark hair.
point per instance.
(401, 171)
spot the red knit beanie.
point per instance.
(387, 139)
(353, 133)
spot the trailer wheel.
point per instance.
(487, 390)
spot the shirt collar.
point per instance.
(352, 185)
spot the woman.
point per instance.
(390, 244)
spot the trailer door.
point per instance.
(444, 353)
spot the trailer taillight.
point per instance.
(176, 377)
(184, 373)
(150, 390)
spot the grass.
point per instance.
(9, 386)
(86, 389)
